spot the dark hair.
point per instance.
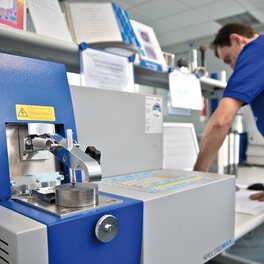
(223, 36)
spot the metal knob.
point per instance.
(106, 228)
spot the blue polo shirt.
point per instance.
(247, 80)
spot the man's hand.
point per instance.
(257, 196)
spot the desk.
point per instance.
(244, 223)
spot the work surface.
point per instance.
(245, 223)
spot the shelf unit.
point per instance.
(32, 45)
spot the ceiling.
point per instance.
(181, 21)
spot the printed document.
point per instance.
(48, 19)
(93, 22)
(100, 69)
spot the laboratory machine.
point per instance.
(56, 205)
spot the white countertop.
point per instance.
(245, 223)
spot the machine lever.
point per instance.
(72, 157)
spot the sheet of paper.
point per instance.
(185, 90)
(48, 19)
(177, 111)
(247, 206)
(107, 71)
(94, 22)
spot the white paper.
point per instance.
(48, 19)
(94, 23)
(107, 71)
(247, 206)
(153, 114)
(177, 111)
(185, 90)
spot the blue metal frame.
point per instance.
(29, 81)
(73, 240)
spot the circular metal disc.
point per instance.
(106, 228)
(80, 194)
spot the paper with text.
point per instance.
(93, 22)
(107, 71)
(48, 19)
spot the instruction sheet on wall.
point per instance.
(153, 114)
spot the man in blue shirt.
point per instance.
(242, 48)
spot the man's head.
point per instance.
(230, 40)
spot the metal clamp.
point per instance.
(67, 151)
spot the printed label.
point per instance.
(35, 112)
(153, 114)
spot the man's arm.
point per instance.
(215, 132)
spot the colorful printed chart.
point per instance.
(153, 181)
(12, 13)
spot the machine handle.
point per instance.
(93, 153)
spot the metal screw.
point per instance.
(108, 228)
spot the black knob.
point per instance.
(93, 153)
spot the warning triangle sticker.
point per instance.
(22, 113)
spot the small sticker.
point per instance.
(153, 114)
(35, 112)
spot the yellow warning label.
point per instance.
(35, 112)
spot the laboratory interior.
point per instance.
(103, 109)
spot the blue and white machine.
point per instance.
(51, 210)
(36, 111)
